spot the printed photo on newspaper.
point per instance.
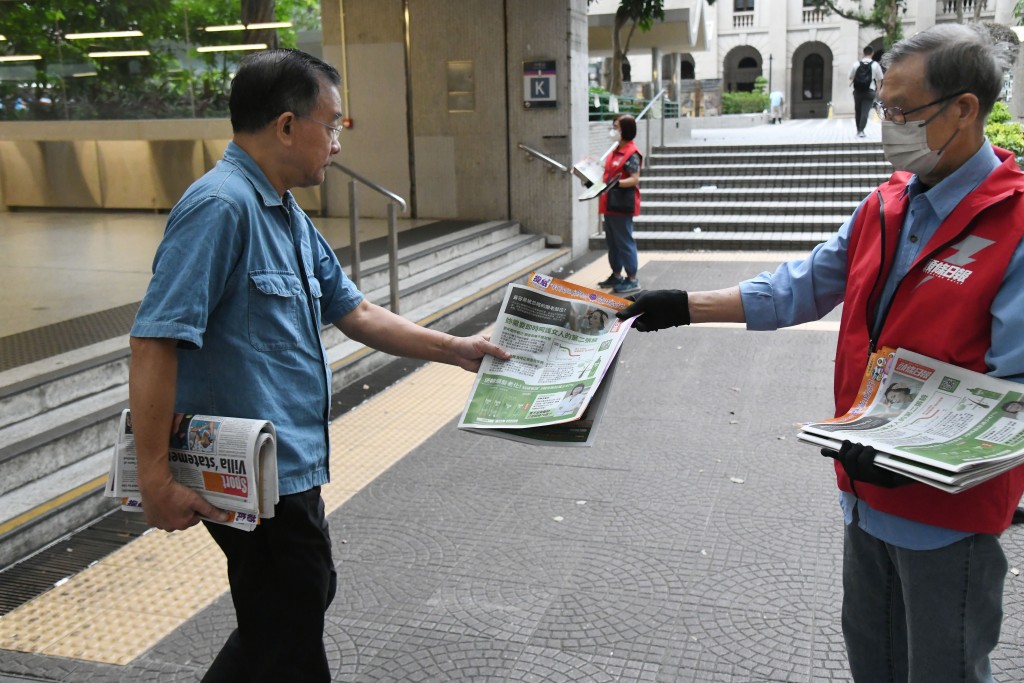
(231, 462)
(931, 421)
(563, 339)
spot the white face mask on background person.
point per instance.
(614, 134)
(906, 147)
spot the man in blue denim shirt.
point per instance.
(922, 602)
(230, 325)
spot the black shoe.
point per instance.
(1018, 516)
(611, 281)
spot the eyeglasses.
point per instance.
(899, 117)
(335, 132)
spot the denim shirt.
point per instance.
(807, 289)
(243, 281)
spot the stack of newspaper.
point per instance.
(230, 462)
(563, 339)
(937, 423)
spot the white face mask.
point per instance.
(614, 134)
(906, 147)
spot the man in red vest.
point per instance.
(931, 261)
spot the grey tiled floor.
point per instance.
(697, 541)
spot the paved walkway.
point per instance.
(696, 541)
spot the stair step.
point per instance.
(47, 442)
(823, 157)
(738, 222)
(722, 241)
(842, 169)
(752, 194)
(758, 208)
(375, 272)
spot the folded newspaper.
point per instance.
(563, 339)
(937, 423)
(231, 462)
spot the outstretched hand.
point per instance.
(858, 462)
(468, 352)
(658, 309)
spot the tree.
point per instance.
(171, 81)
(638, 14)
(886, 15)
(958, 8)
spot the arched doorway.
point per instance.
(741, 66)
(811, 81)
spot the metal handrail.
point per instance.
(661, 93)
(353, 218)
(544, 157)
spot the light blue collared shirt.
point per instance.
(807, 289)
(243, 281)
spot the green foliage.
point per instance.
(1008, 136)
(1000, 113)
(884, 15)
(744, 102)
(1003, 132)
(173, 81)
(760, 84)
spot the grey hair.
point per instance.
(958, 57)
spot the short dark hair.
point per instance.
(627, 125)
(957, 58)
(270, 82)
(869, 50)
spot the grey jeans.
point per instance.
(921, 616)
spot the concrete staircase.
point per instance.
(58, 416)
(773, 197)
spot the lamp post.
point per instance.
(769, 74)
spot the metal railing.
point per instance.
(353, 218)
(647, 149)
(556, 165)
(532, 153)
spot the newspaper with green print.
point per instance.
(931, 421)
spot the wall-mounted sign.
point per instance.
(539, 84)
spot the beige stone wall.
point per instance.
(111, 164)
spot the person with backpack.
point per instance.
(866, 78)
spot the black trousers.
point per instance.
(282, 580)
(862, 101)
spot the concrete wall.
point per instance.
(462, 164)
(111, 165)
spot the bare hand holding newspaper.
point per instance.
(934, 422)
(563, 339)
(230, 462)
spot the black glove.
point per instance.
(859, 463)
(660, 308)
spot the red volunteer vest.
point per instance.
(940, 309)
(612, 166)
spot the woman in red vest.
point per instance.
(620, 204)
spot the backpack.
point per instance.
(863, 77)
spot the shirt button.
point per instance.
(913, 238)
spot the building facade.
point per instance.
(801, 50)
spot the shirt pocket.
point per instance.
(275, 302)
(317, 294)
